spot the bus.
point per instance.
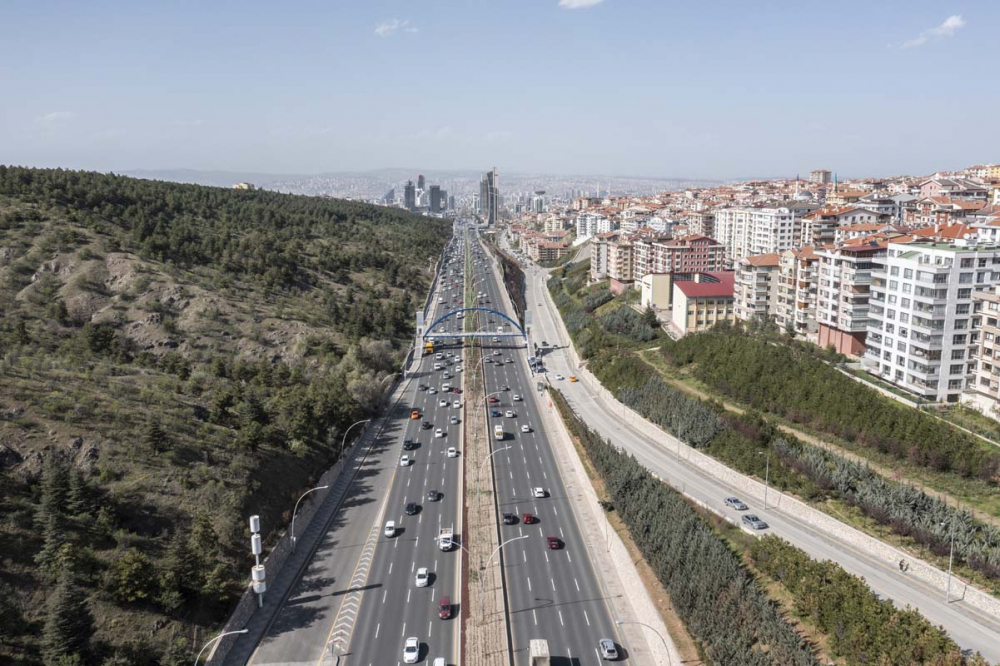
(498, 432)
(428, 347)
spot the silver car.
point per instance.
(754, 522)
(736, 503)
(607, 649)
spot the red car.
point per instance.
(527, 519)
(444, 608)
(554, 543)
(493, 399)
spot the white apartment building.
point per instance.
(590, 224)
(923, 329)
(766, 229)
(756, 287)
(843, 286)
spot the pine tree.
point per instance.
(11, 618)
(78, 500)
(69, 622)
(55, 489)
(153, 436)
(54, 538)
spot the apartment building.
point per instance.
(548, 250)
(756, 286)
(625, 258)
(797, 286)
(702, 223)
(983, 389)
(764, 229)
(702, 302)
(690, 254)
(620, 263)
(842, 292)
(599, 256)
(922, 334)
(820, 227)
(953, 187)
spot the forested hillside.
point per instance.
(172, 359)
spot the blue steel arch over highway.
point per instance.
(440, 319)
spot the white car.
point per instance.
(454, 420)
(517, 398)
(452, 452)
(439, 433)
(538, 493)
(390, 528)
(411, 650)
(432, 391)
(560, 377)
(445, 376)
(525, 428)
(439, 356)
(422, 577)
(508, 414)
(404, 461)
(442, 403)
(456, 404)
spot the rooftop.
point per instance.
(723, 288)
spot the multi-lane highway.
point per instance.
(664, 456)
(357, 599)
(553, 594)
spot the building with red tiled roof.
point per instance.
(702, 302)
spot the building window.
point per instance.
(961, 324)
(962, 308)
(907, 273)
(967, 263)
(957, 354)
(894, 270)
(907, 288)
(904, 318)
(958, 339)
(965, 278)
(956, 369)
(905, 302)
(965, 293)
(894, 285)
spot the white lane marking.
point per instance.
(390, 569)
(377, 627)
(529, 584)
(575, 582)
(546, 557)
(535, 617)
(587, 619)
(385, 593)
(404, 629)
(568, 556)
(561, 533)
(553, 583)
(430, 629)
(563, 624)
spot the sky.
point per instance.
(674, 88)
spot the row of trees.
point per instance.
(719, 601)
(792, 383)
(861, 627)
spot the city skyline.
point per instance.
(629, 89)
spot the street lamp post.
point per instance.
(767, 474)
(486, 459)
(482, 575)
(220, 636)
(658, 634)
(296, 510)
(343, 440)
(951, 560)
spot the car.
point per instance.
(446, 388)
(538, 493)
(456, 404)
(495, 339)
(404, 461)
(487, 360)
(439, 356)
(496, 352)
(553, 542)
(421, 387)
(415, 414)
(510, 414)
(516, 398)
(736, 503)
(454, 420)
(508, 361)
(442, 403)
(573, 378)
(411, 650)
(505, 388)
(439, 432)
(560, 377)
(426, 425)
(456, 390)
(499, 361)
(493, 400)
(495, 414)
(423, 577)
(528, 519)
(754, 522)
(439, 661)
(607, 648)
(408, 445)
(433, 495)
(446, 376)
(390, 528)
(525, 428)
(444, 607)
(509, 519)
(432, 391)
(452, 452)
(544, 343)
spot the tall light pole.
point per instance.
(343, 440)
(220, 636)
(767, 473)
(486, 459)
(296, 510)
(482, 576)
(497, 549)
(951, 560)
(658, 634)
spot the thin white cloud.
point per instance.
(390, 28)
(578, 4)
(55, 119)
(947, 29)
